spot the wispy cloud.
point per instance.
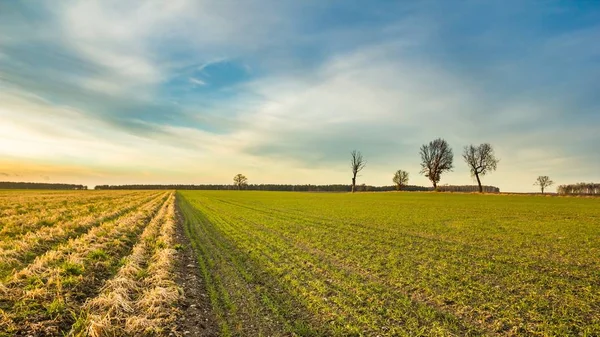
(197, 81)
(210, 63)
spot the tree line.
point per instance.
(580, 188)
(467, 188)
(40, 186)
(261, 187)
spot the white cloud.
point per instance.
(131, 41)
(369, 88)
(197, 81)
(205, 65)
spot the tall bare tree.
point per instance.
(400, 179)
(436, 158)
(357, 163)
(240, 180)
(481, 161)
(543, 182)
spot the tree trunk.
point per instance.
(434, 186)
(542, 189)
(479, 183)
(353, 184)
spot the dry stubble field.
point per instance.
(87, 263)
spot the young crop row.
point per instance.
(48, 296)
(16, 252)
(510, 292)
(262, 283)
(330, 265)
(237, 302)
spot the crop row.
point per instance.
(20, 220)
(23, 202)
(236, 300)
(496, 285)
(344, 266)
(46, 297)
(302, 292)
(18, 251)
(140, 298)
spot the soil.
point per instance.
(196, 317)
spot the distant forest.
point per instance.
(40, 186)
(580, 189)
(300, 188)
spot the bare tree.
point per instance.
(436, 158)
(481, 161)
(357, 163)
(400, 179)
(543, 182)
(239, 180)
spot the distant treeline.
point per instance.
(39, 186)
(260, 187)
(468, 188)
(580, 188)
(298, 188)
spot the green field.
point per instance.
(390, 264)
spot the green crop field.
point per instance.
(394, 264)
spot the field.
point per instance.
(103, 263)
(86, 263)
(398, 264)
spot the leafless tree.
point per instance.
(543, 182)
(400, 179)
(239, 180)
(481, 161)
(436, 158)
(357, 163)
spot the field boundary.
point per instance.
(196, 318)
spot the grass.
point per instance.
(397, 264)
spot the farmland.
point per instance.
(87, 263)
(102, 263)
(389, 264)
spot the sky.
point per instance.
(194, 91)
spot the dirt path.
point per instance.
(197, 318)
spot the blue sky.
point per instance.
(196, 91)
